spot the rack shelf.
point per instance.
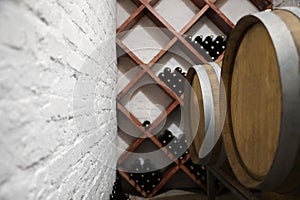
(146, 8)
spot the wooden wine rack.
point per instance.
(146, 8)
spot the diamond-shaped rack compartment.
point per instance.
(212, 9)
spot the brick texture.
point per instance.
(57, 99)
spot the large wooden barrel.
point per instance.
(261, 75)
(202, 114)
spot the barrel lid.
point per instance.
(260, 67)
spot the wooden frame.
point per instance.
(146, 8)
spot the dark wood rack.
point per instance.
(146, 8)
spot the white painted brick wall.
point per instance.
(57, 99)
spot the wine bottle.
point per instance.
(207, 42)
(169, 77)
(146, 124)
(218, 42)
(117, 192)
(219, 39)
(178, 69)
(212, 51)
(136, 171)
(199, 39)
(190, 165)
(180, 84)
(189, 39)
(162, 76)
(166, 137)
(142, 181)
(167, 70)
(165, 75)
(183, 155)
(182, 146)
(224, 43)
(148, 167)
(156, 177)
(173, 146)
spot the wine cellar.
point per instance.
(150, 99)
(196, 49)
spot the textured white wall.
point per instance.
(57, 99)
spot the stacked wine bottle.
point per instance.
(117, 192)
(144, 174)
(198, 170)
(174, 80)
(176, 145)
(209, 47)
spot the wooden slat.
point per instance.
(131, 148)
(218, 21)
(220, 58)
(140, 140)
(132, 20)
(129, 115)
(146, 68)
(181, 32)
(163, 51)
(216, 16)
(194, 19)
(131, 84)
(168, 26)
(129, 52)
(220, 13)
(163, 115)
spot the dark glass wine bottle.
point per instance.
(212, 52)
(190, 165)
(165, 75)
(178, 69)
(162, 76)
(156, 177)
(207, 42)
(220, 45)
(166, 137)
(180, 83)
(148, 166)
(199, 39)
(219, 39)
(146, 124)
(136, 171)
(183, 155)
(142, 181)
(189, 39)
(176, 147)
(224, 43)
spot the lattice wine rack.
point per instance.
(147, 8)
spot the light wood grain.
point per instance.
(195, 115)
(258, 83)
(256, 101)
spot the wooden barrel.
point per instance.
(202, 114)
(261, 75)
